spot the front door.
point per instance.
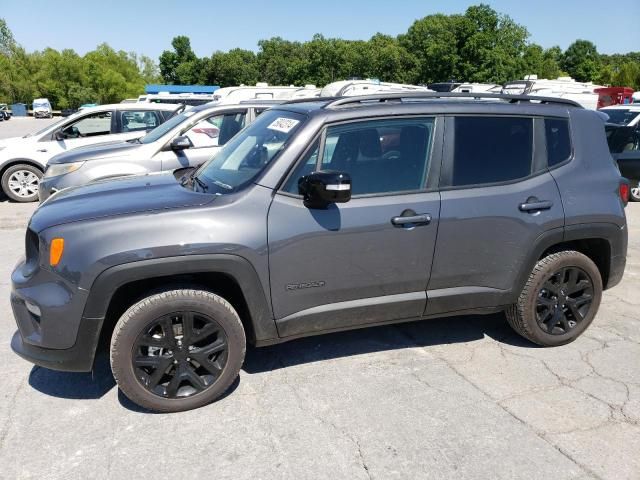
(206, 136)
(359, 262)
(87, 130)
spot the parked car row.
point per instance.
(319, 215)
(4, 112)
(24, 159)
(623, 136)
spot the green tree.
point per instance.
(390, 61)
(491, 46)
(581, 61)
(433, 42)
(236, 67)
(180, 66)
(540, 62)
(280, 62)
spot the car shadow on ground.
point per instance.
(441, 331)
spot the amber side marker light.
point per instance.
(55, 252)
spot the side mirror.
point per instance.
(320, 189)
(58, 135)
(180, 143)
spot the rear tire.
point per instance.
(177, 350)
(21, 182)
(559, 300)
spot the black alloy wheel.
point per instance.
(564, 300)
(180, 354)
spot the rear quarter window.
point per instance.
(558, 140)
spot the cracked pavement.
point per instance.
(453, 398)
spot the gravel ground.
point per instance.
(456, 398)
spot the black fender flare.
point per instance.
(240, 269)
(612, 233)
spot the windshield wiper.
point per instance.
(203, 185)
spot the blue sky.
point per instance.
(147, 27)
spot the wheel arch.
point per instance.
(229, 276)
(603, 243)
(20, 161)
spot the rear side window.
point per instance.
(491, 150)
(135, 121)
(558, 140)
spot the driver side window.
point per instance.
(89, 126)
(216, 130)
(381, 156)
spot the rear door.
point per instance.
(136, 123)
(358, 262)
(498, 198)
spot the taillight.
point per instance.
(624, 192)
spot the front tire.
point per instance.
(177, 350)
(559, 300)
(21, 182)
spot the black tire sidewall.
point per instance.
(5, 182)
(124, 338)
(568, 259)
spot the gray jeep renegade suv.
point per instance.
(327, 215)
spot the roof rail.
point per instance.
(399, 96)
(311, 99)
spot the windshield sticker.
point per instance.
(283, 125)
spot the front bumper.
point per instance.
(46, 188)
(52, 331)
(78, 358)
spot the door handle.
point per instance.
(422, 219)
(535, 205)
(42, 150)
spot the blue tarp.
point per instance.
(19, 110)
(181, 88)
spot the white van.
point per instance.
(42, 108)
(561, 87)
(262, 91)
(350, 88)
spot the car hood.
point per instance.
(95, 152)
(13, 141)
(128, 195)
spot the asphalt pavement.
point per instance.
(453, 398)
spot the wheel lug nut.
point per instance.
(188, 359)
(175, 361)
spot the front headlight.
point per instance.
(55, 169)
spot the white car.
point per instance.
(23, 159)
(625, 115)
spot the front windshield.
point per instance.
(162, 129)
(620, 116)
(40, 105)
(249, 152)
